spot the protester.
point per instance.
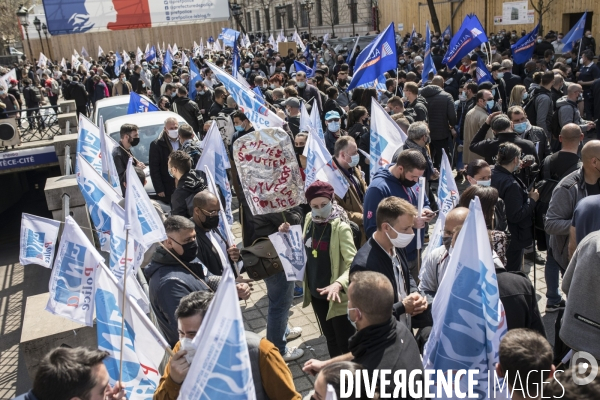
(189, 183)
(187, 108)
(160, 149)
(474, 120)
(333, 131)
(121, 154)
(442, 120)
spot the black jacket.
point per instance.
(29, 96)
(263, 225)
(121, 158)
(214, 110)
(519, 300)
(537, 136)
(488, 148)
(519, 207)
(511, 81)
(440, 110)
(386, 346)
(187, 187)
(418, 109)
(168, 282)
(501, 93)
(204, 102)
(371, 257)
(134, 79)
(158, 163)
(311, 95)
(189, 111)
(207, 253)
(76, 91)
(156, 82)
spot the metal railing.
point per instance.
(39, 123)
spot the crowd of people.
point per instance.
(525, 144)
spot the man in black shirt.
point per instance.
(121, 154)
(292, 106)
(220, 94)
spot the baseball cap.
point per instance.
(496, 66)
(332, 115)
(293, 102)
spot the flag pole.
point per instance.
(124, 300)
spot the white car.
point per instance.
(150, 126)
(14, 52)
(112, 107)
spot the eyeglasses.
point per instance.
(334, 120)
(210, 213)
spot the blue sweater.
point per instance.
(383, 185)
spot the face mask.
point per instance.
(348, 315)
(238, 128)
(173, 133)
(283, 69)
(173, 94)
(539, 40)
(569, 60)
(484, 183)
(407, 182)
(589, 36)
(333, 126)
(401, 61)
(581, 60)
(135, 141)
(211, 222)
(301, 84)
(186, 344)
(2, 92)
(354, 160)
(202, 92)
(524, 95)
(322, 213)
(520, 128)
(272, 86)
(298, 150)
(500, 75)
(247, 69)
(513, 35)
(402, 240)
(493, 52)
(447, 241)
(462, 97)
(189, 251)
(321, 60)
(123, 80)
(490, 104)
(493, 92)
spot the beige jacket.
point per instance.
(473, 121)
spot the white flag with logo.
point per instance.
(468, 317)
(386, 138)
(99, 196)
(89, 144)
(272, 41)
(305, 120)
(75, 62)
(320, 166)
(144, 346)
(75, 53)
(63, 63)
(84, 52)
(217, 46)
(175, 49)
(42, 60)
(222, 369)
(138, 56)
(12, 74)
(109, 170)
(126, 57)
(38, 240)
(296, 38)
(100, 51)
(315, 122)
(141, 217)
(73, 279)
(214, 159)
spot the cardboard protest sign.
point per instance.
(292, 253)
(268, 170)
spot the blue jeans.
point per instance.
(280, 292)
(551, 273)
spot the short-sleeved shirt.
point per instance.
(586, 218)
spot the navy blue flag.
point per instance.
(469, 37)
(259, 96)
(351, 54)
(194, 77)
(229, 37)
(481, 73)
(380, 56)
(168, 63)
(306, 69)
(235, 64)
(447, 31)
(308, 55)
(118, 63)
(138, 104)
(211, 39)
(523, 49)
(574, 34)
(428, 65)
(413, 34)
(151, 54)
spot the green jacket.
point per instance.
(341, 253)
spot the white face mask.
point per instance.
(402, 240)
(484, 183)
(186, 344)
(173, 133)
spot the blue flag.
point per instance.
(447, 31)
(308, 55)
(428, 65)
(523, 49)
(413, 34)
(574, 34)
(235, 62)
(138, 104)
(304, 68)
(211, 39)
(194, 77)
(469, 37)
(259, 96)
(229, 36)
(482, 74)
(118, 63)
(351, 54)
(168, 63)
(151, 54)
(380, 56)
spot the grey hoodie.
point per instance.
(569, 113)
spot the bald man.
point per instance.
(569, 191)
(567, 109)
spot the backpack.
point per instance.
(37, 95)
(194, 151)
(530, 109)
(555, 126)
(55, 89)
(225, 125)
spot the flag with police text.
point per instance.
(167, 63)
(386, 138)
(523, 49)
(138, 104)
(315, 122)
(141, 217)
(468, 318)
(38, 240)
(89, 145)
(124, 254)
(378, 57)
(469, 37)
(221, 370)
(320, 166)
(109, 170)
(73, 280)
(214, 157)
(259, 115)
(144, 346)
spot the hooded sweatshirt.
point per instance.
(383, 185)
(182, 199)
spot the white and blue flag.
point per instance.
(221, 370)
(320, 165)
(428, 64)
(194, 77)
(89, 145)
(468, 317)
(73, 280)
(386, 138)
(304, 118)
(304, 68)
(481, 72)
(144, 347)
(118, 63)
(138, 104)
(38, 240)
(315, 123)
(109, 170)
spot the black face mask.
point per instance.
(447, 241)
(135, 141)
(407, 182)
(211, 222)
(189, 250)
(298, 150)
